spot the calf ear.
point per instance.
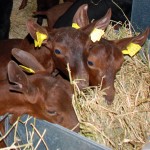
(27, 60)
(33, 27)
(19, 82)
(140, 40)
(99, 24)
(81, 17)
(17, 77)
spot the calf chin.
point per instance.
(110, 94)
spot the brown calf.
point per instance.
(105, 58)
(39, 94)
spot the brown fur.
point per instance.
(38, 95)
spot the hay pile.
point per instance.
(125, 124)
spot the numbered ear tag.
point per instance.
(26, 69)
(75, 25)
(96, 34)
(40, 38)
(132, 49)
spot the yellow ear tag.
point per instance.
(40, 38)
(29, 70)
(96, 34)
(75, 25)
(132, 49)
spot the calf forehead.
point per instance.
(68, 36)
(59, 97)
(53, 92)
(44, 80)
(70, 42)
(100, 51)
(47, 83)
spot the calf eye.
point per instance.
(57, 51)
(90, 63)
(52, 113)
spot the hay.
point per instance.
(124, 124)
(29, 134)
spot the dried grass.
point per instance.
(29, 134)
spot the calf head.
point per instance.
(67, 46)
(105, 58)
(44, 97)
(103, 62)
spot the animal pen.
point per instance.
(123, 125)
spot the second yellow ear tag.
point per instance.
(40, 38)
(29, 70)
(132, 49)
(75, 25)
(96, 34)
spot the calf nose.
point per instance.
(82, 80)
(82, 83)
